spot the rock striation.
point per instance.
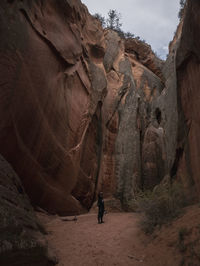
(52, 87)
(186, 166)
(127, 112)
(71, 104)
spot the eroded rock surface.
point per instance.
(188, 78)
(52, 86)
(84, 110)
(21, 241)
(127, 113)
(153, 157)
(66, 140)
(145, 56)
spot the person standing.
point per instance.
(100, 205)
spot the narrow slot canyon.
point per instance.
(88, 109)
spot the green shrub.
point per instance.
(160, 206)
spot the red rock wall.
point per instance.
(49, 105)
(189, 168)
(126, 111)
(186, 167)
(22, 238)
(78, 106)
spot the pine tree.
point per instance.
(181, 11)
(101, 19)
(113, 21)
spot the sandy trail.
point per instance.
(86, 243)
(119, 241)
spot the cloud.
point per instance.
(153, 20)
(165, 48)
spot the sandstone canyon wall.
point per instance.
(62, 136)
(188, 79)
(22, 240)
(84, 110)
(127, 109)
(52, 87)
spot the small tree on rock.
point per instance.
(113, 20)
(181, 11)
(101, 19)
(128, 35)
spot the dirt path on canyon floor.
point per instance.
(118, 241)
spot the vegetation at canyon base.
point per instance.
(188, 244)
(160, 206)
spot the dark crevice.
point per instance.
(97, 51)
(121, 94)
(96, 120)
(179, 153)
(141, 156)
(83, 84)
(20, 189)
(158, 115)
(99, 150)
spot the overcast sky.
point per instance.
(155, 21)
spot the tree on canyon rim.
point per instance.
(113, 22)
(181, 11)
(100, 18)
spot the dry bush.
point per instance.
(160, 206)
